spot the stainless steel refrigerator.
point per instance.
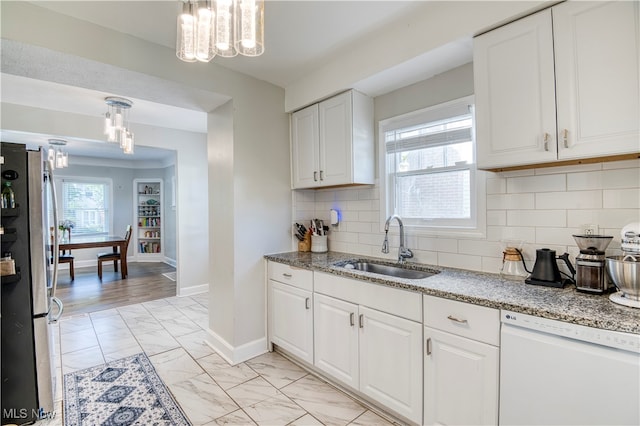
(29, 305)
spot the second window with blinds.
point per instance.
(428, 170)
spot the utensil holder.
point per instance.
(305, 245)
(319, 244)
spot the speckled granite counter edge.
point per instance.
(483, 289)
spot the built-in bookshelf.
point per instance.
(149, 208)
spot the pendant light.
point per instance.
(58, 158)
(224, 28)
(116, 123)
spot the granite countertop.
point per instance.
(484, 289)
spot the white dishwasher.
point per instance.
(557, 373)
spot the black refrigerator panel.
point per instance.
(19, 385)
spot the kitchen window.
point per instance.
(87, 203)
(429, 169)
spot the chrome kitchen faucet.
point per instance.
(403, 252)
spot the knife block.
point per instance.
(305, 245)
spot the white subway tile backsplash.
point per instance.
(498, 233)
(496, 186)
(540, 207)
(461, 261)
(621, 198)
(543, 183)
(626, 164)
(545, 218)
(369, 216)
(569, 169)
(359, 227)
(480, 247)
(361, 205)
(510, 201)
(496, 217)
(569, 200)
(557, 236)
(605, 179)
(605, 218)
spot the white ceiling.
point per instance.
(300, 36)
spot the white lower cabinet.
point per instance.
(373, 352)
(336, 339)
(461, 366)
(390, 362)
(291, 310)
(460, 380)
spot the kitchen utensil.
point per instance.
(513, 267)
(590, 264)
(546, 271)
(624, 271)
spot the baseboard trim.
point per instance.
(192, 290)
(235, 355)
(170, 262)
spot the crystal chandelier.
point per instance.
(116, 123)
(220, 27)
(58, 159)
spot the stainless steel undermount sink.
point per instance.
(388, 270)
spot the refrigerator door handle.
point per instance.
(53, 320)
(56, 250)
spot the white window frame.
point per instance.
(59, 181)
(477, 226)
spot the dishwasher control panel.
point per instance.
(614, 339)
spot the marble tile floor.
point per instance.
(266, 390)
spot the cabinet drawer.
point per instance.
(463, 319)
(297, 277)
(395, 301)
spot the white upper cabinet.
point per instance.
(332, 142)
(514, 91)
(596, 55)
(534, 107)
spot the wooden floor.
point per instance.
(88, 294)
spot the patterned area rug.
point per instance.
(124, 392)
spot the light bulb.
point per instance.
(118, 119)
(59, 160)
(65, 159)
(248, 23)
(107, 123)
(186, 36)
(204, 51)
(224, 29)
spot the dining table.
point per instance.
(96, 241)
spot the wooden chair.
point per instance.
(113, 256)
(66, 257)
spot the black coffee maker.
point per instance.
(546, 271)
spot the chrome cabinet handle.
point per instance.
(315, 176)
(321, 175)
(461, 321)
(546, 141)
(287, 275)
(352, 319)
(361, 321)
(428, 346)
(565, 138)
(307, 304)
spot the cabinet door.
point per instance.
(291, 316)
(305, 171)
(336, 338)
(515, 94)
(391, 362)
(597, 45)
(460, 380)
(336, 144)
